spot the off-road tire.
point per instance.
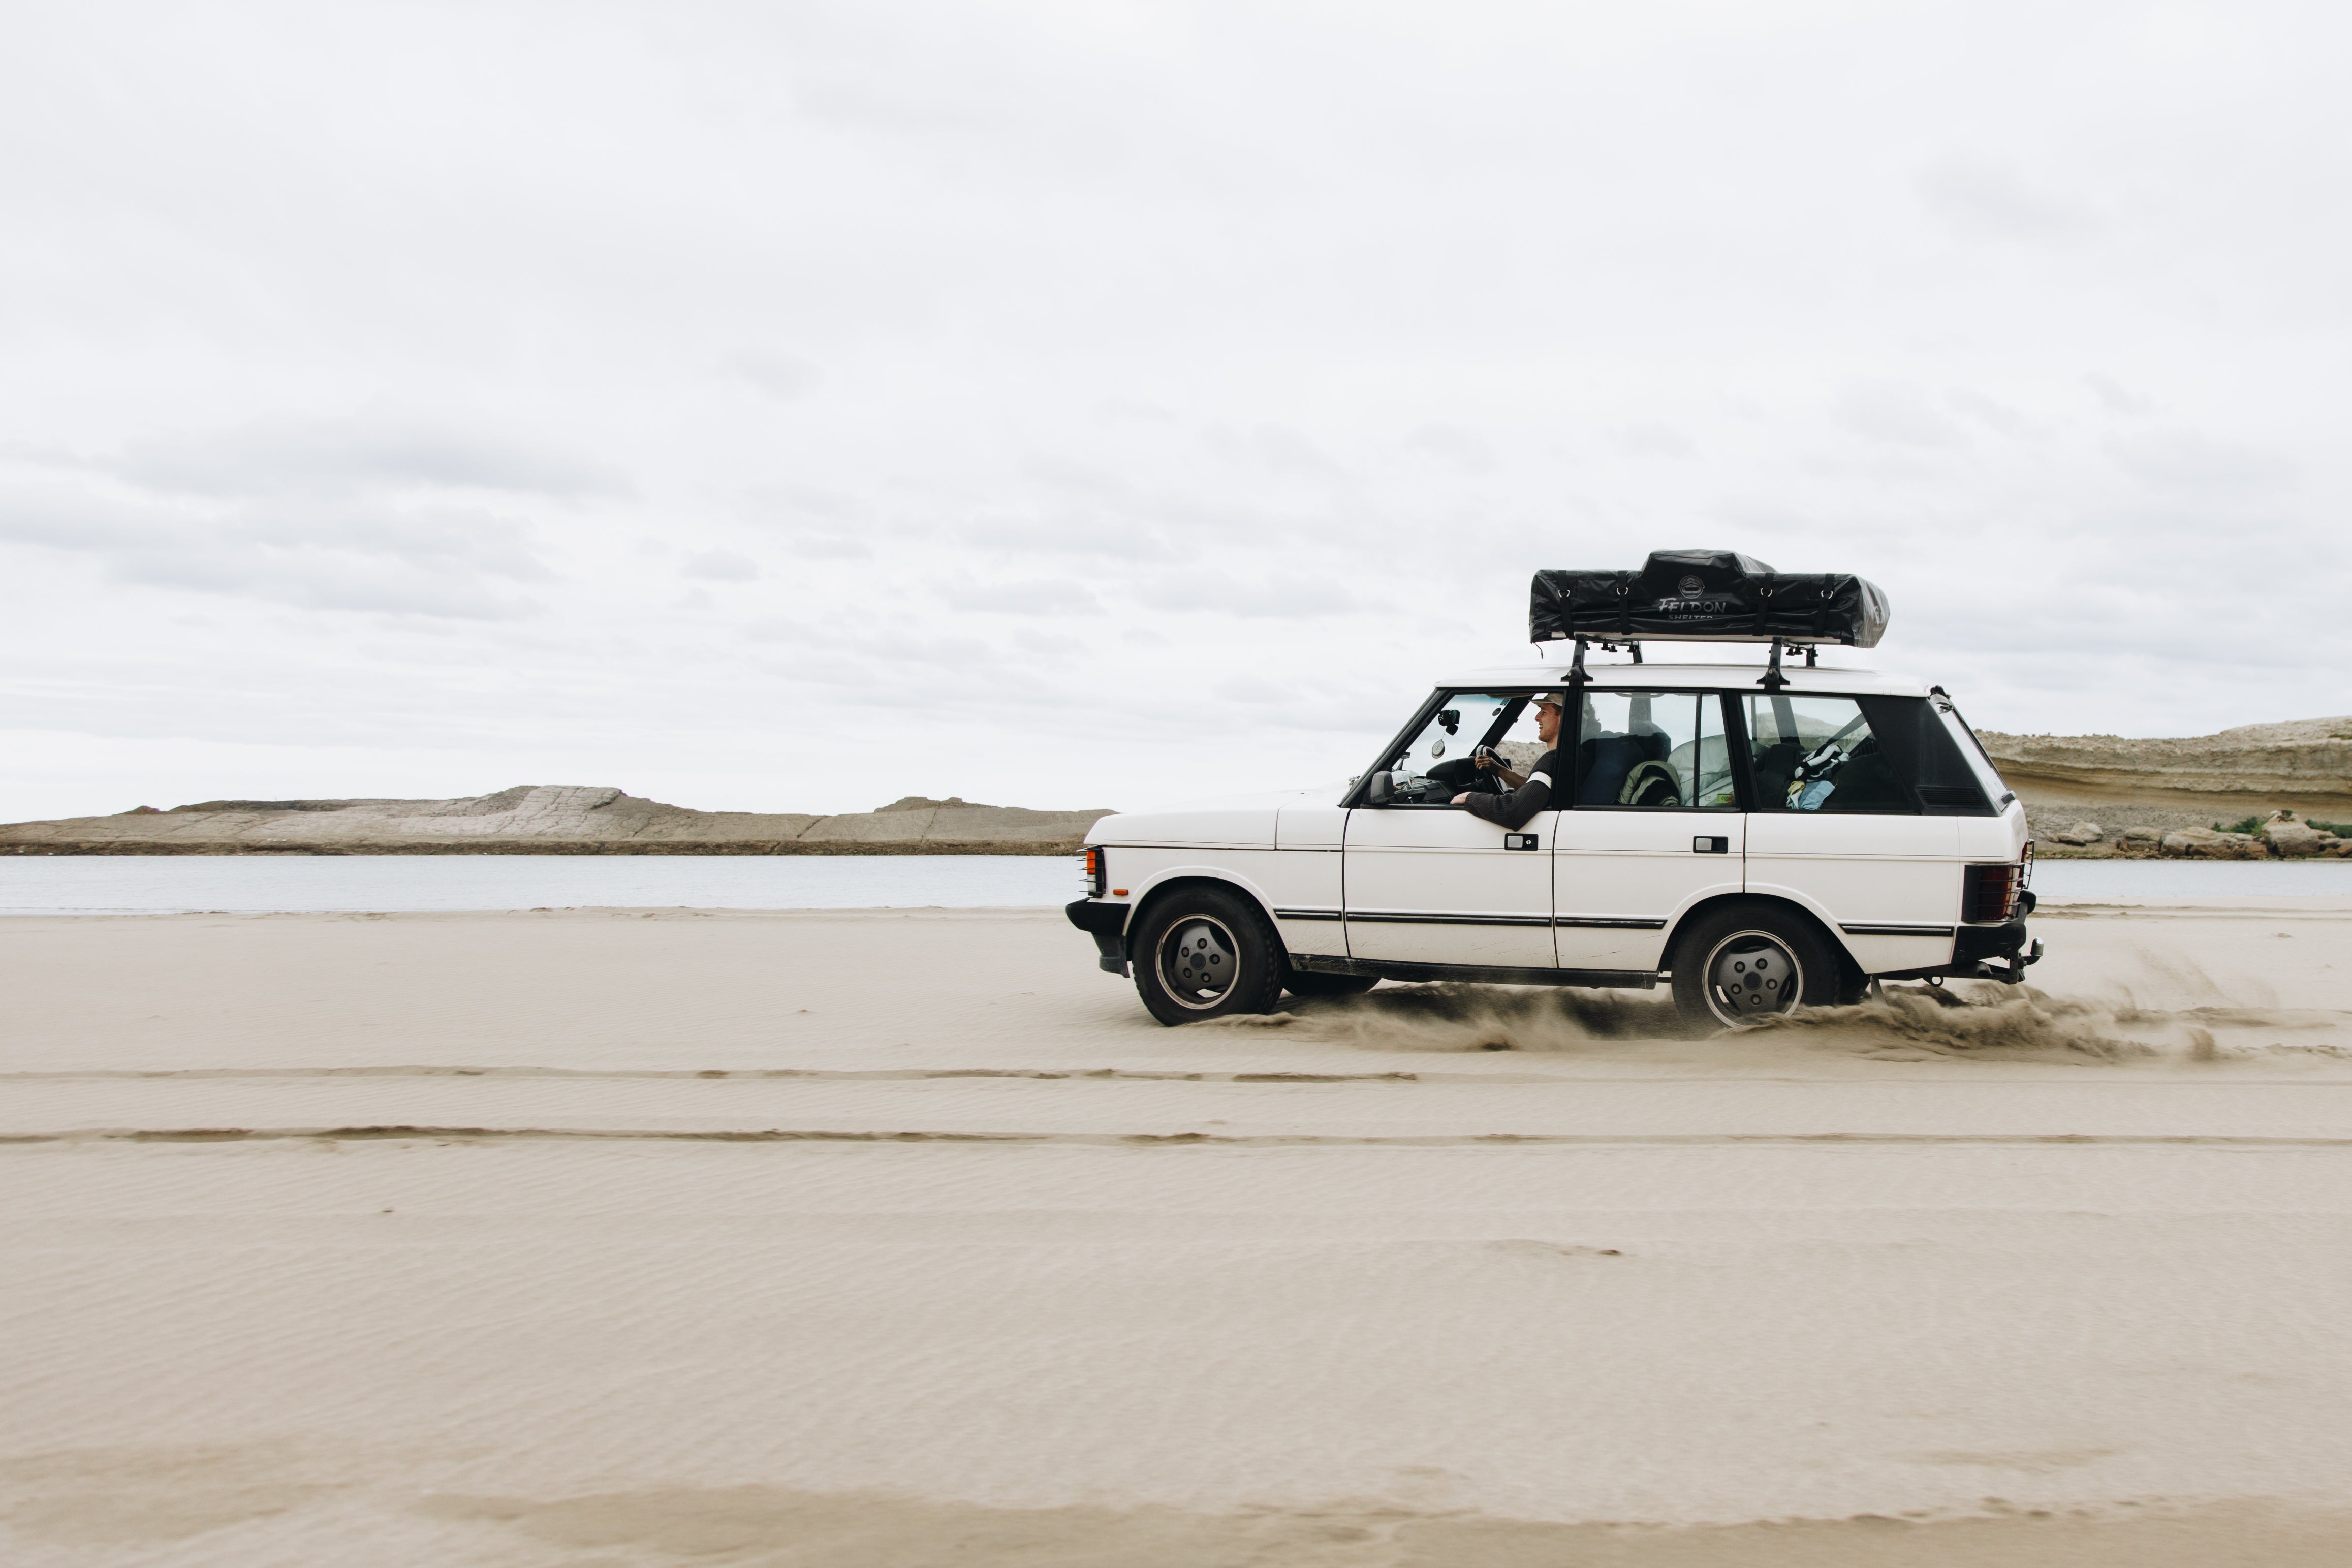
(1304, 982)
(1192, 935)
(1746, 960)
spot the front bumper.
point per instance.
(1107, 923)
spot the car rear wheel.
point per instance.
(1748, 962)
(1204, 953)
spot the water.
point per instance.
(172, 884)
(2178, 879)
(257, 884)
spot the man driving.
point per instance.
(1531, 791)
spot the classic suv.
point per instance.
(1759, 842)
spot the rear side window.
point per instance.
(1821, 753)
(1970, 753)
(1917, 740)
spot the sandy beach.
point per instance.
(626, 1237)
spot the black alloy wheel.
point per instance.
(1746, 962)
(1207, 952)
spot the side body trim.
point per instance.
(1420, 918)
(1395, 969)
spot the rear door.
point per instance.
(1838, 828)
(1652, 825)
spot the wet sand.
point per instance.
(616, 1237)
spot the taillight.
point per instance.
(1991, 893)
(1093, 859)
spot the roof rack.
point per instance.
(1578, 677)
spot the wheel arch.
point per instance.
(1178, 877)
(1851, 971)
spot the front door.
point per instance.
(1436, 885)
(1426, 882)
(1653, 826)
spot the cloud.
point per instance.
(1275, 449)
(721, 566)
(786, 377)
(1895, 414)
(1038, 596)
(354, 457)
(1998, 416)
(445, 560)
(1990, 199)
(1216, 593)
(2115, 397)
(1465, 449)
(1649, 440)
(2186, 460)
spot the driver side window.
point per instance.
(1817, 753)
(1437, 766)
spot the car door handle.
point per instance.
(1521, 841)
(1710, 845)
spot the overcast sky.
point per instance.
(796, 406)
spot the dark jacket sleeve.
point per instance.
(1513, 810)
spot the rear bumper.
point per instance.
(1998, 953)
(1107, 923)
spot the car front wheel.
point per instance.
(1204, 953)
(1751, 961)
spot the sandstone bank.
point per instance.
(551, 819)
(2306, 763)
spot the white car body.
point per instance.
(1354, 888)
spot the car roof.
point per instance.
(1656, 675)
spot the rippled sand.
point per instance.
(615, 1238)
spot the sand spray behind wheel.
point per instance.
(1903, 1021)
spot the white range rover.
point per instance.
(1759, 838)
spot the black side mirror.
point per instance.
(1377, 792)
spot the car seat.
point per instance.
(1603, 762)
(1775, 765)
(1652, 782)
(1865, 781)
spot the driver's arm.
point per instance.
(1501, 770)
(1513, 810)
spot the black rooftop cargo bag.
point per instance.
(1707, 595)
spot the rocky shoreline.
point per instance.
(551, 819)
(2280, 836)
(2258, 792)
